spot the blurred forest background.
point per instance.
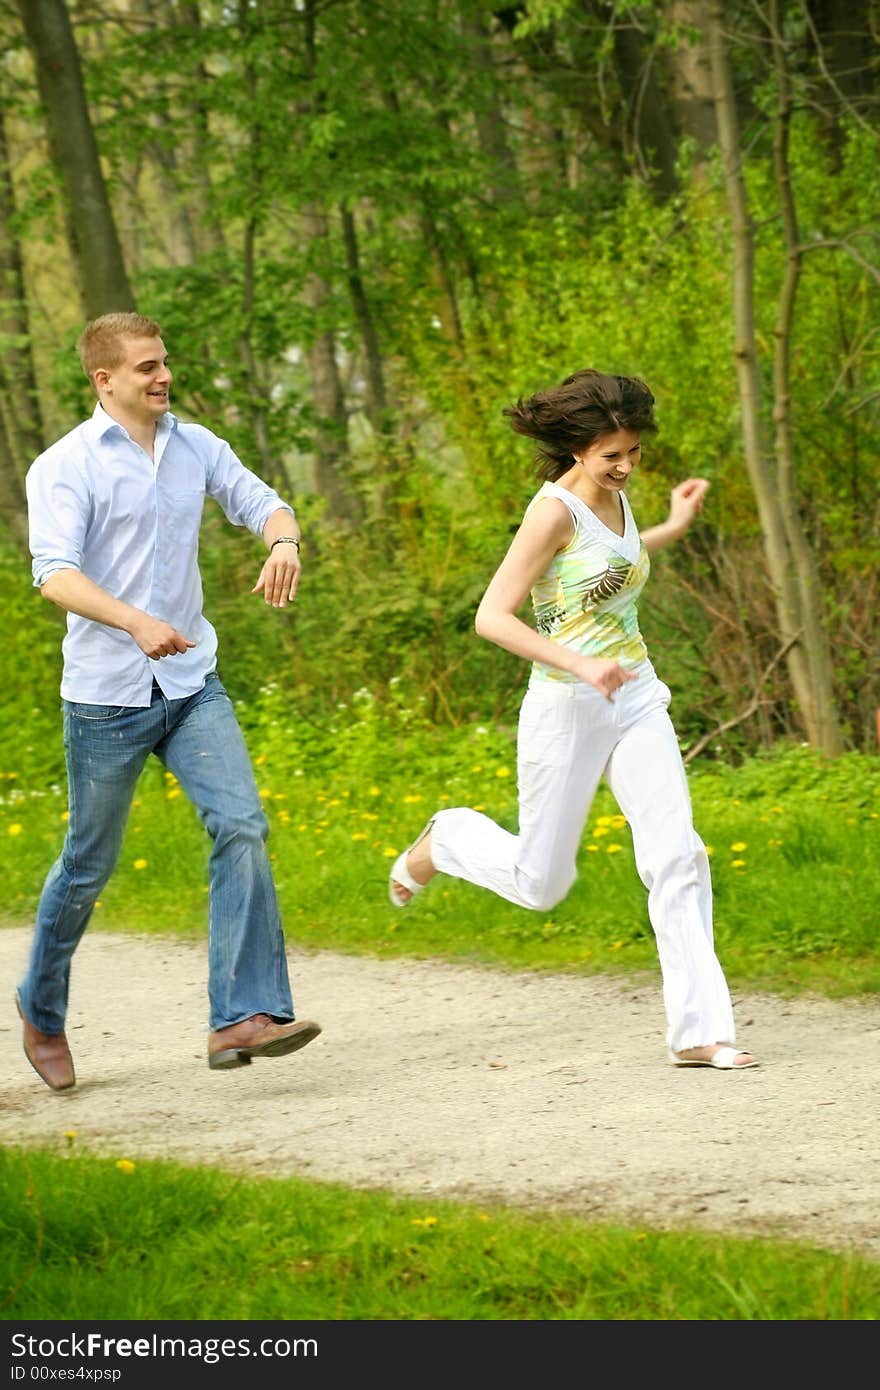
(366, 227)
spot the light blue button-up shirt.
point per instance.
(99, 504)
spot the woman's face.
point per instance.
(610, 459)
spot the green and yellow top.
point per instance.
(587, 598)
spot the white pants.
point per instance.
(569, 735)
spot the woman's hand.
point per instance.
(686, 501)
(606, 676)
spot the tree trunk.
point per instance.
(824, 717)
(376, 393)
(651, 140)
(104, 286)
(690, 78)
(13, 503)
(794, 624)
(19, 400)
(331, 431)
(489, 117)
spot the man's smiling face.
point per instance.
(137, 390)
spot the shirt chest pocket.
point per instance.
(180, 514)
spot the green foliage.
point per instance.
(504, 237)
(89, 1238)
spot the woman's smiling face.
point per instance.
(610, 459)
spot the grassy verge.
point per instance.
(795, 845)
(119, 1240)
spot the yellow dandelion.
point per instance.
(15, 829)
(424, 1221)
(261, 759)
(592, 849)
(477, 767)
(375, 791)
(411, 800)
(265, 793)
(125, 1165)
(479, 808)
(614, 849)
(601, 830)
(389, 853)
(737, 863)
(172, 793)
(739, 847)
(502, 772)
(360, 836)
(604, 820)
(65, 815)
(140, 864)
(334, 801)
(369, 815)
(617, 946)
(710, 849)
(618, 822)
(70, 1135)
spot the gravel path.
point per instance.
(441, 1080)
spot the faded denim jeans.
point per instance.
(198, 739)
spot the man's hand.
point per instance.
(157, 639)
(279, 577)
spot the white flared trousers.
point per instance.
(569, 735)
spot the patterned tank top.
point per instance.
(587, 597)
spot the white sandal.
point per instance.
(724, 1060)
(400, 874)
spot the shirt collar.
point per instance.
(102, 424)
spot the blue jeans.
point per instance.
(199, 740)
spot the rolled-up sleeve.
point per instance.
(245, 498)
(58, 510)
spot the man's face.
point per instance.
(137, 390)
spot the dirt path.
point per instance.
(445, 1081)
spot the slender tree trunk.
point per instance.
(95, 244)
(331, 432)
(377, 395)
(793, 624)
(207, 228)
(13, 502)
(827, 732)
(19, 400)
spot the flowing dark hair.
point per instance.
(573, 415)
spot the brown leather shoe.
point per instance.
(48, 1054)
(258, 1036)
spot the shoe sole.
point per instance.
(278, 1047)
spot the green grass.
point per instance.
(160, 1241)
(795, 845)
(796, 861)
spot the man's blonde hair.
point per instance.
(101, 341)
